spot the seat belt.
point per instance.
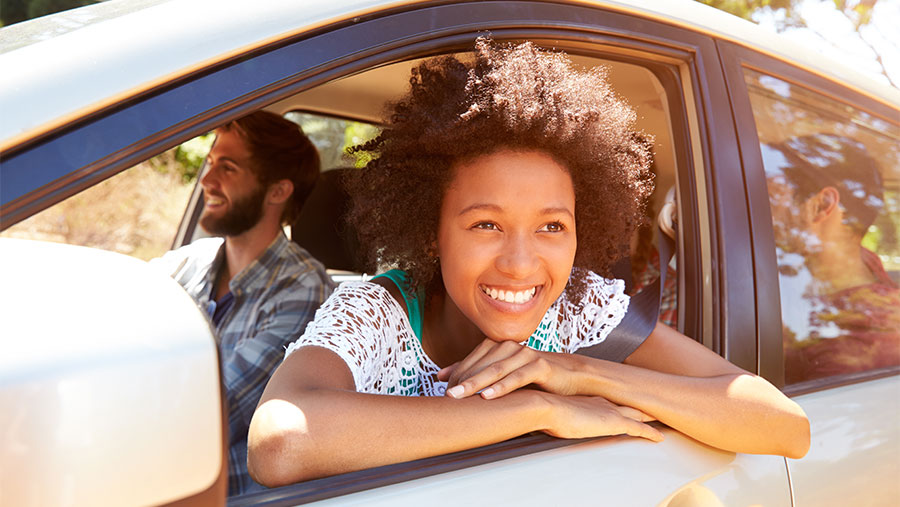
(643, 312)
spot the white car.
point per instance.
(109, 377)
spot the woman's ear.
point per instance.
(280, 191)
(432, 250)
(826, 202)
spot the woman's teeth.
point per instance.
(508, 296)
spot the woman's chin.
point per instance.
(518, 334)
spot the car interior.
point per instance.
(361, 98)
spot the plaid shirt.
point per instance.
(274, 298)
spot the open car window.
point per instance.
(346, 112)
(136, 212)
(335, 118)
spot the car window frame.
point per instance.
(704, 174)
(736, 58)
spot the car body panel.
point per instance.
(854, 458)
(166, 38)
(605, 471)
(90, 404)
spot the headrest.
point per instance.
(322, 229)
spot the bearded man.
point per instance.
(258, 288)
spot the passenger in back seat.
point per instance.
(258, 288)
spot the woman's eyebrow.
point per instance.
(480, 206)
(560, 209)
(493, 207)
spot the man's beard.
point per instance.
(241, 216)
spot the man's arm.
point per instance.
(248, 364)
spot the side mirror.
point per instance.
(110, 392)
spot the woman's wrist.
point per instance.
(542, 407)
(587, 375)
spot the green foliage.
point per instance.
(883, 236)
(859, 12)
(332, 137)
(14, 11)
(358, 133)
(748, 8)
(190, 156)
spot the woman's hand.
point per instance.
(498, 368)
(594, 416)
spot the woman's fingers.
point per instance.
(591, 416)
(514, 371)
(485, 355)
(643, 430)
(473, 358)
(528, 372)
(633, 413)
(444, 374)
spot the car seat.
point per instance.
(322, 228)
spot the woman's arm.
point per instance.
(311, 422)
(670, 377)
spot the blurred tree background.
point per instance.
(13, 11)
(794, 15)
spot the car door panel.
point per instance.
(604, 471)
(855, 452)
(855, 435)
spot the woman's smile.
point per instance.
(510, 295)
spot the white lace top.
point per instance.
(363, 324)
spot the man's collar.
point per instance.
(256, 274)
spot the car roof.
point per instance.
(79, 61)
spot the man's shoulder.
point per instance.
(303, 265)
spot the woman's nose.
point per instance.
(519, 257)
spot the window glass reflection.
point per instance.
(832, 178)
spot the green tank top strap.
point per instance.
(415, 303)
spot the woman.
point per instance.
(475, 189)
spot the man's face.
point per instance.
(790, 219)
(234, 197)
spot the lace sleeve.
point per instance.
(356, 323)
(590, 321)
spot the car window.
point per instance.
(322, 214)
(833, 177)
(135, 212)
(333, 136)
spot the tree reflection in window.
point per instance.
(832, 177)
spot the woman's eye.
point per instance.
(486, 226)
(554, 227)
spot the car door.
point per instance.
(806, 134)
(715, 269)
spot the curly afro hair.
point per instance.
(516, 97)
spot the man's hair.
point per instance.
(817, 161)
(509, 97)
(279, 151)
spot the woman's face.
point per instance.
(506, 240)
